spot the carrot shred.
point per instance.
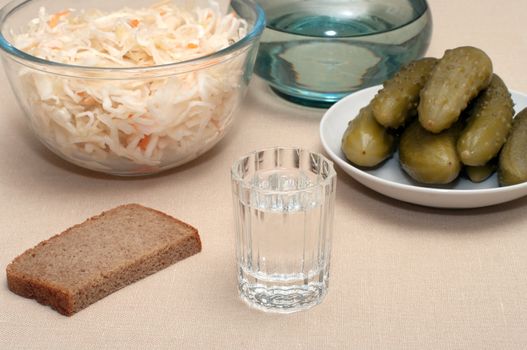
(192, 46)
(144, 142)
(54, 20)
(134, 23)
(88, 101)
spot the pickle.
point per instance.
(427, 157)
(397, 101)
(366, 142)
(456, 79)
(489, 123)
(480, 173)
(512, 167)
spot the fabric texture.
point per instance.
(402, 276)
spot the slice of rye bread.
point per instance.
(91, 260)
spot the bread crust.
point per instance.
(67, 300)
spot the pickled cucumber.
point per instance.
(456, 79)
(489, 123)
(480, 173)
(427, 157)
(397, 101)
(366, 142)
(513, 157)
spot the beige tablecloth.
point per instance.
(402, 276)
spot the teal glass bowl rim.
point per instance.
(193, 64)
(424, 8)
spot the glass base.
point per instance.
(308, 101)
(283, 300)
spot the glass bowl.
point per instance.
(133, 120)
(314, 52)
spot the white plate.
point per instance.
(390, 180)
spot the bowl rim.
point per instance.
(423, 8)
(206, 60)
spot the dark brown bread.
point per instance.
(91, 260)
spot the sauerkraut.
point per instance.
(140, 124)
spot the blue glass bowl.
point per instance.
(316, 52)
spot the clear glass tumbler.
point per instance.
(283, 207)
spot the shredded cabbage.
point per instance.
(133, 125)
